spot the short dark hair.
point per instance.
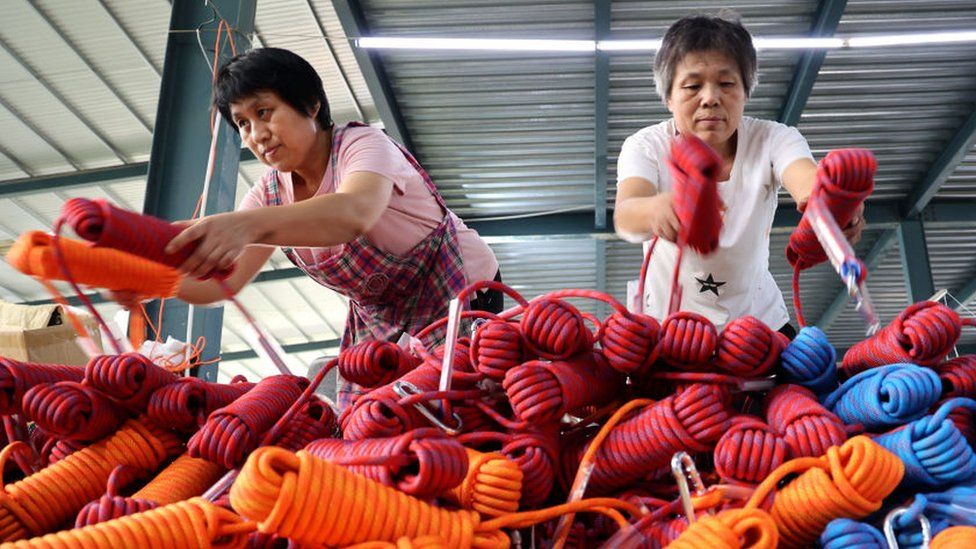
(723, 32)
(271, 69)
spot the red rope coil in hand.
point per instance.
(923, 334)
(748, 452)
(691, 420)
(233, 431)
(688, 340)
(17, 377)
(496, 348)
(748, 348)
(543, 391)
(958, 377)
(109, 226)
(808, 428)
(70, 410)
(422, 463)
(129, 378)
(694, 170)
(374, 363)
(185, 404)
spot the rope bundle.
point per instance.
(808, 428)
(688, 340)
(185, 404)
(129, 378)
(534, 449)
(553, 329)
(630, 341)
(543, 391)
(68, 409)
(17, 377)
(924, 333)
(958, 376)
(233, 431)
(844, 533)
(811, 361)
(492, 485)
(748, 348)
(313, 421)
(496, 348)
(884, 397)
(694, 169)
(732, 529)
(421, 463)
(748, 452)
(374, 363)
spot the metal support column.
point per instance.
(181, 144)
(915, 260)
(601, 120)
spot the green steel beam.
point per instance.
(915, 260)
(947, 162)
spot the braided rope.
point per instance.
(886, 396)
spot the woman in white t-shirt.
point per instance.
(705, 71)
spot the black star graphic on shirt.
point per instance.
(709, 284)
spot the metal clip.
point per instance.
(683, 468)
(889, 528)
(475, 324)
(405, 389)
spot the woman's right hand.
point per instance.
(663, 221)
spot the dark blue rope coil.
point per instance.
(811, 361)
(881, 398)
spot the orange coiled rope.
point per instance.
(423, 542)
(46, 499)
(850, 481)
(492, 487)
(731, 529)
(183, 479)
(187, 524)
(33, 254)
(955, 537)
(312, 501)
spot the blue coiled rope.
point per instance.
(934, 451)
(954, 507)
(885, 397)
(844, 533)
(811, 361)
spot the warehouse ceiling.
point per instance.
(523, 145)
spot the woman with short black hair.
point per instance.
(705, 72)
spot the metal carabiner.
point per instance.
(683, 468)
(405, 389)
(889, 528)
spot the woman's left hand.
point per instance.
(220, 239)
(853, 229)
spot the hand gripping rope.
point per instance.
(68, 409)
(544, 391)
(811, 361)
(885, 397)
(129, 378)
(692, 420)
(808, 428)
(233, 431)
(312, 501)
(748, 452)
(183, 479)
(845, 178)
(849, 481)
(46, 499)
(185, 525)
(731, 529)
(748, 348)
(933, 450)
(373, 363)
(924, 333)
(185, 404)
(16, 378)
(422, 462)
(492, 485)
(34, 254)
(958, 376)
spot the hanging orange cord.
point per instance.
(33, 254)
(312, 501)
(955, 537)
(731, 529)
(850, 481)
(492, 487)
(43, 501)
(188, 524)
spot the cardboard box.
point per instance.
(43, 333)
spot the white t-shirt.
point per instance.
(733, 281)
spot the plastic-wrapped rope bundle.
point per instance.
(811, 361)
(808, 428)
(185, 404)
(887, 396)
(68, 409)
(129, 378)
(544, 391)
(17, 377)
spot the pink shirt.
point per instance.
(410, 216)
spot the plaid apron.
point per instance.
(388, 294)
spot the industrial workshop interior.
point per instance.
(488, 274)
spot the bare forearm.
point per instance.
(319, 222)
(631, 220)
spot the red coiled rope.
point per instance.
(17, 377)
(748, 452)
(185, 404)
(554, 329)
(233, 431)
(688, 340)
(313, 421)
(807, 427)
(129, 378)
(845, 178)
(373, 363)
(543, 391)
(692, 420)
(748, 348)
(68, 409)
(958, 377)
(630, 341)
(422, 463)
(108, 226)
(496, 348)
(923, 334)
(54, 450)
